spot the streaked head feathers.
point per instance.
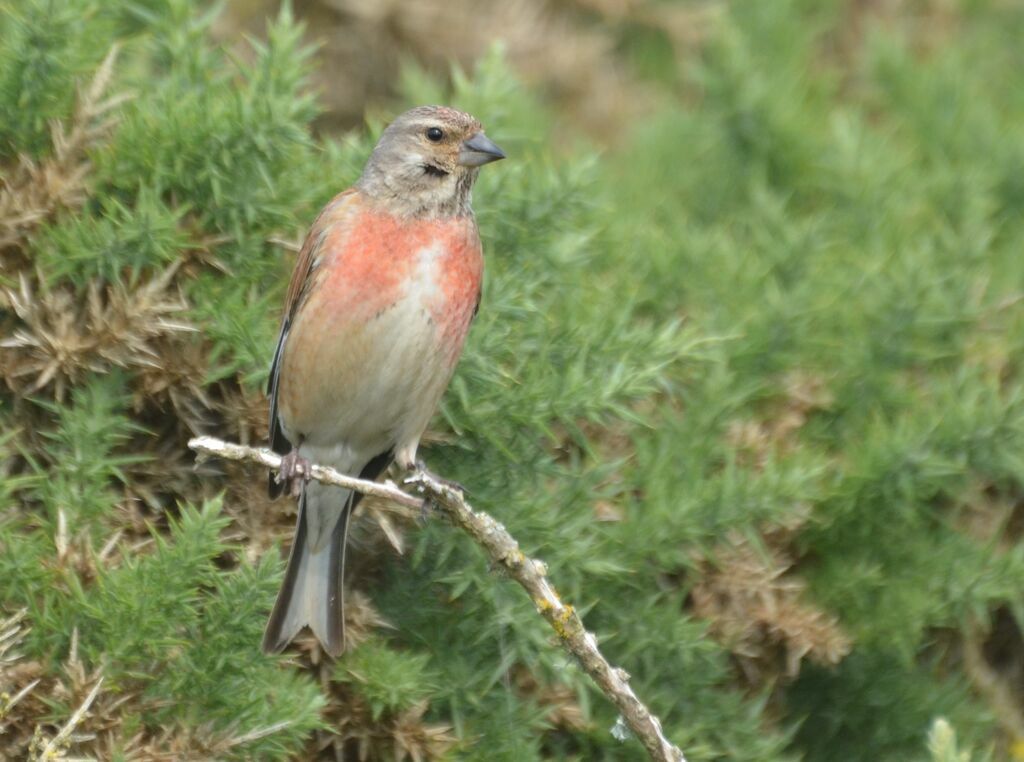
(426, 161)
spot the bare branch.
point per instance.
(231, 451)
(503, 550)
(55, 747)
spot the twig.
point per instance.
(503, 551)
(232, 451)
(55, 747)
(258, 733)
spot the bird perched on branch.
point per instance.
(383, 293)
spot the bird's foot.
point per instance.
(427, 510)
(294, 472)
(420, 469)
(419, 475)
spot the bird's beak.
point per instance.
(479, 150)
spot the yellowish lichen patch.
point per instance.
(560, 622)
(515, 557)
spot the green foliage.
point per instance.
(48, 46)
(388, 680)
(120, 241)
(130, 625)
(876, 707)
(222, 676)
(84, 455)
(228, 139)
(782, 315)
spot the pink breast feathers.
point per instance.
(384, 260)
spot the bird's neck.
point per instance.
(414, 194)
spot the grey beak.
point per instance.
(479, 150)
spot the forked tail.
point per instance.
(312, 593)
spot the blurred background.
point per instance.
(746, 375)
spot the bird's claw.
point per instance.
(294, 472)
(427, 509)
(422, 470)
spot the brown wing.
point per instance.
(302, 279)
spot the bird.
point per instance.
(380, 302)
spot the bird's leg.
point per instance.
(421, 468)
(427, 508)
(294, 472)
(418, 474)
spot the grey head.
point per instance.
(426, 162)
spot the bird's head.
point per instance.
(426, 161)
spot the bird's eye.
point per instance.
(434, 134)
